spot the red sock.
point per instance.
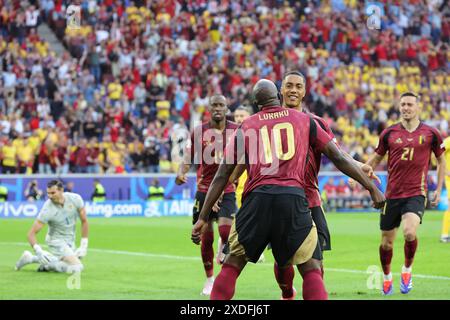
(313, 286)
(385, 258)
(225, 283)
(410, 250)
(285, 278)
(208, 252)
(224, 231)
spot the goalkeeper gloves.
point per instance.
(43, 256)
(82, 250)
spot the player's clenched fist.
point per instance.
(197, 231)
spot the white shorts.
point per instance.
(61, 248)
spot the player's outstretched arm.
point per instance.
(214, 192)
(354, 171)
(364, 167)
(441, 167)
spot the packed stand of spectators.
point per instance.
(139, 73)
(337, 194)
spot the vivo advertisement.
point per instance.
(106, 209)
(126, 196)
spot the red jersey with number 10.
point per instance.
(277, 142)
(409, 158)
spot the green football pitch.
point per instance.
(153, 258)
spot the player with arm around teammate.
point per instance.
(293, 90)
(275, 209)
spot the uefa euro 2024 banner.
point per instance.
(106, 209)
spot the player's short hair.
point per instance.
(410, 94)
(217, 95)
(56, 183)
(244, 108)
(294, 73)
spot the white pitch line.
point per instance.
(424, 276)
(142, 254)
(174, 257)
(128, 253)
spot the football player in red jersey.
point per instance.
(293, 90)
(274, 144)
(205, 149)
(409, 144)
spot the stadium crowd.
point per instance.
(138, 74)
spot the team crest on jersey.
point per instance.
(421, 139)
(399, 140)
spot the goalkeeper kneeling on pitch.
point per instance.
(60, 212)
